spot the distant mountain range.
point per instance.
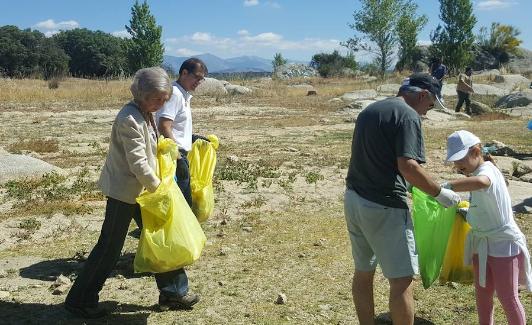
(231, 65)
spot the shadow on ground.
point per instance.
(49, 270)
(386, 319)
(32, 313)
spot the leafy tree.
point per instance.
(453, 41)
(278, 61)
(28, 53)
(93, 53)
(333, 64)
(501, 41)
(145, 48)
(377, 21)
(408, 27)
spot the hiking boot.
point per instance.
(86, 312)
(176, 302)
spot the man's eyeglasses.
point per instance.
(199, 77)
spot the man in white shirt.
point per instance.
(174, 121)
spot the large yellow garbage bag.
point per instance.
(453, 268)
(171, 235)
(202, 161)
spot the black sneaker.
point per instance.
(175, 302)
(86, 312)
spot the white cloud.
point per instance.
(250, 3)
(51, 25)
(121, 33)
(264, 38)
(263, 44)
(201, 37)
(494, 4)
(186, 52)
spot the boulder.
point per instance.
(20, 166)
(497, 148)
(293, 70)
(388, 89)
(489, 73)
(237, 90)
(305, 87)
(524, 112)
(478, 108)
(211, 87)
(510, 82)
(448, 90)
(519, 99)
(521, 63)
(361, 104)
(483, 89)
(359, 94)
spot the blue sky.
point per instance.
(228, 28)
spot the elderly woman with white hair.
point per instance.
(130, 167)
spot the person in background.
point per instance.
(495, 245)
(387, 152)
(130, 167)
(438, 70)
(464, 89)
(175, 122)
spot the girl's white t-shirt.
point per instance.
(491, 208)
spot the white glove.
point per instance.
(447, 197)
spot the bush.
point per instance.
(333, 64)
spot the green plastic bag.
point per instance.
(432, 226)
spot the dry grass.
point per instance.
(36, 145)
(278, 225)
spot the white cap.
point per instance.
(458, 144)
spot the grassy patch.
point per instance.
(36, 145)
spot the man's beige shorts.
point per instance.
(380, 235)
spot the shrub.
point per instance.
(333, 64)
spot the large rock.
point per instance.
(510, 82)
(388, 89)
(519, 99)
(448, 90)
(294, 70)
(483, 89)
(478, 108)
(211, 87)
(237, 90)
(14, 167)
(522, 63)
(489, 73)
(359, 94)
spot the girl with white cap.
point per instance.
(495, 244)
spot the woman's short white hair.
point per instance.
(150, 81)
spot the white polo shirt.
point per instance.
(177, 109)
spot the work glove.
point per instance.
(181, 169)
(447, 198)
(197, 136)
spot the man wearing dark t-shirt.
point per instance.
(386, 153)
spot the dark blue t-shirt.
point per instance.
(384, 131)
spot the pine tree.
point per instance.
(453, 41)
(278, 61)
(145, 48)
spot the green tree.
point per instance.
(453, 41)
(377, 21)
(145, 48)
(333, 64)
(501, 41)
(28, 53)
(93, 53)
(278, 61)
(408, 27)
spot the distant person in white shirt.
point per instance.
(174, 121)
(495, 244)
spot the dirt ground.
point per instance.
(280, 230)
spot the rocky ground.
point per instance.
(277, 249)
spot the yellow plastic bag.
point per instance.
(202, 161)
(453, 269)
(171, 236)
